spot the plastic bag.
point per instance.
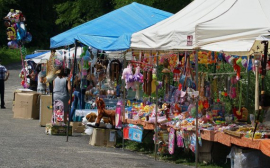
(89, 130)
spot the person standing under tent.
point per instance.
(78, 97)
(41, 83)
(61, 90)
(4, 74)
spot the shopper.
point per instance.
(61, 89)
(4, 74)
(41, 82)
(78, 97)
(33, 80)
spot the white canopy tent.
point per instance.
(44, 57)
(173, 33)
(230, 26)
(236, 29)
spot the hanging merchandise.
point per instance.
(115, 69)
(147, 80)
(127, 75)
(100, 69)
(233, 93)
(171, 141)
(16, 31)
(138, 79)
(192, 145)
(176, 73)
(180, 140)
(236, 67)
(166, 76)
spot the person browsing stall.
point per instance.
(4, 74)
(61, 89)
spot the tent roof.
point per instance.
(43, 57)
(35, 55)
(112, 31)
(172, 33)
(243, 22)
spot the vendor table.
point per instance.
(217, 136)
(228, 140)
(145, 124)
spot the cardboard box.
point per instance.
(57, 130)
(26, 105)
(98, 137)
(111, 137)
(77, 127)
(205, 157)
(45, 114)
(103, 137)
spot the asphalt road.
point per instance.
(23, 143)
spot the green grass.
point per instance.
(10, 56)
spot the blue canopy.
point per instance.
(34, 55)
(112, 31)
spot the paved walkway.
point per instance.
(23, 143)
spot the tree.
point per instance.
(40, 16)
(75, 12)
(172, 6)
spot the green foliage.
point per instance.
(76, 12)
(45, 19)
(9, 56)
(172, 6)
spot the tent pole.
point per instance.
(259, 105)
(156, 127)
(72, 84)
(51, 88)
(248, 73)
(124, 103)
(197, 144)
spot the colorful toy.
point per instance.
(16, 31)
(102, 112)
(118, 114)
(127, 75)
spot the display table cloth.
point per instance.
(228, 140)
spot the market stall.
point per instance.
(172, 80)
(214, 66)
(109, 32)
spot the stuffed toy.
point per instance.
(91, 117)
(11, 33)
(10, 14)
(102, 112)
(127, 75)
